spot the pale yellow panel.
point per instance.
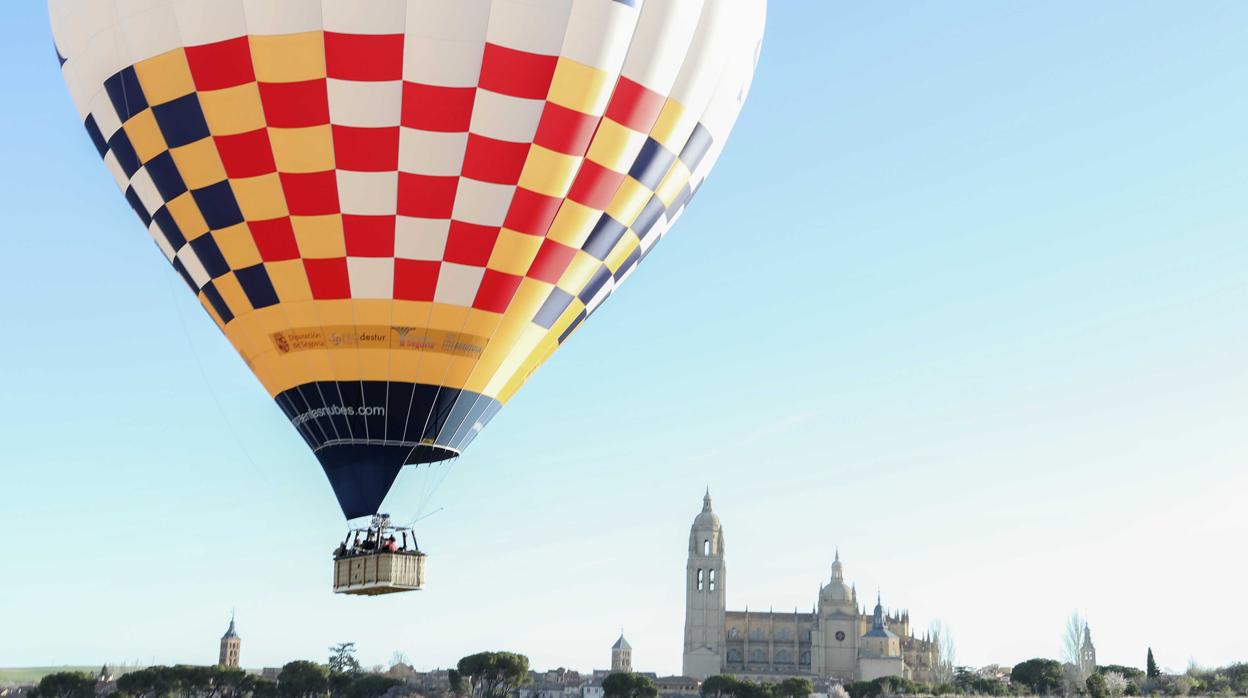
(514, 252)
(260, 198)
(290, 280)
(580, 87)
(300, 150)
(199, 163)
(629, 201)
(237, 246)
(548, 172)
(319, 237)
(165, 77)
(622, 250)
(145, 135)
(186, 214)
(615, 146)
(573, 224)
(289, 57)
(673, 126)
(578, 272)
(233, 110)
(232, 292)
(671, 185)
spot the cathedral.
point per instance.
(837, 641)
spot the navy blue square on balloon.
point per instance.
(217, 302)
(218, 205)
(97, 136)
(699, 144)
(169, 228)
(607, 231)
(596, 282)
(181, 121)
(136, 203)
(257, 285)
(210, 256)
(186, 275)
(121, 149)
(165, 176)
(557, 302)
(649, 216)
(652, 164)
(126, 94)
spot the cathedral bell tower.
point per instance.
(231, 643)
(704, 596)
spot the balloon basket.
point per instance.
(373, 574)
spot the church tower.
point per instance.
(1087, 653)
(230, 645)
(834, 651)
(621, 656)
(704, 596)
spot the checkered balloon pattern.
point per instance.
(396, 210)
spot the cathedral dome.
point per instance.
(706, 518)
(837, 591)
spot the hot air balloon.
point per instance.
(396, 210)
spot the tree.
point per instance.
(371, 686)
(67, 684)
(718, 686)
(946, 654)
(303, 679)
(1153, 671)
(491, 674)
(628, 685)
(1096, 686)
(793, 688)
(1115, 683)
(1039, 675)
(342, 659)
(1072, 642)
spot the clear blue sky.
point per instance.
(966, 297)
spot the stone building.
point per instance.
(836, 641)
(621, 655)
(231, 643)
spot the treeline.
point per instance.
(299, 679)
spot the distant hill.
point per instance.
(24, 676)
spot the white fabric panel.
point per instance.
(366, 104)
(106, 117)
(102, 59)
(431, 152)
(662, 39)
(535, 26)
(372, 17)
(114, 169)
(272, 17)
(158, 237)
(150, 32)
(599, 33)
(457, 284)
(209, 21)
(506, 118)
(146, 189)
(482, 203)
(76, 22)
(715, 36)
(368, 193)
(82, 87)
(371, 277)
(446, 63)
(193, 266)
(421, 238)
(462, 20)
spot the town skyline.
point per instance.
(963, 298)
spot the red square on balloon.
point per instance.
(437, 108)
(368, 236)
(220, 65)
(328, 278)
(595, 185)
(470, 244)
(426, 196)
(312, 193)
(295, 104)
(275, 239)
(531, 213)
(415, 279)
(491, 160)
(246, 154)
(496, 291)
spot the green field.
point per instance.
(23, 676)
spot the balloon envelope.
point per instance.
(396, 210)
